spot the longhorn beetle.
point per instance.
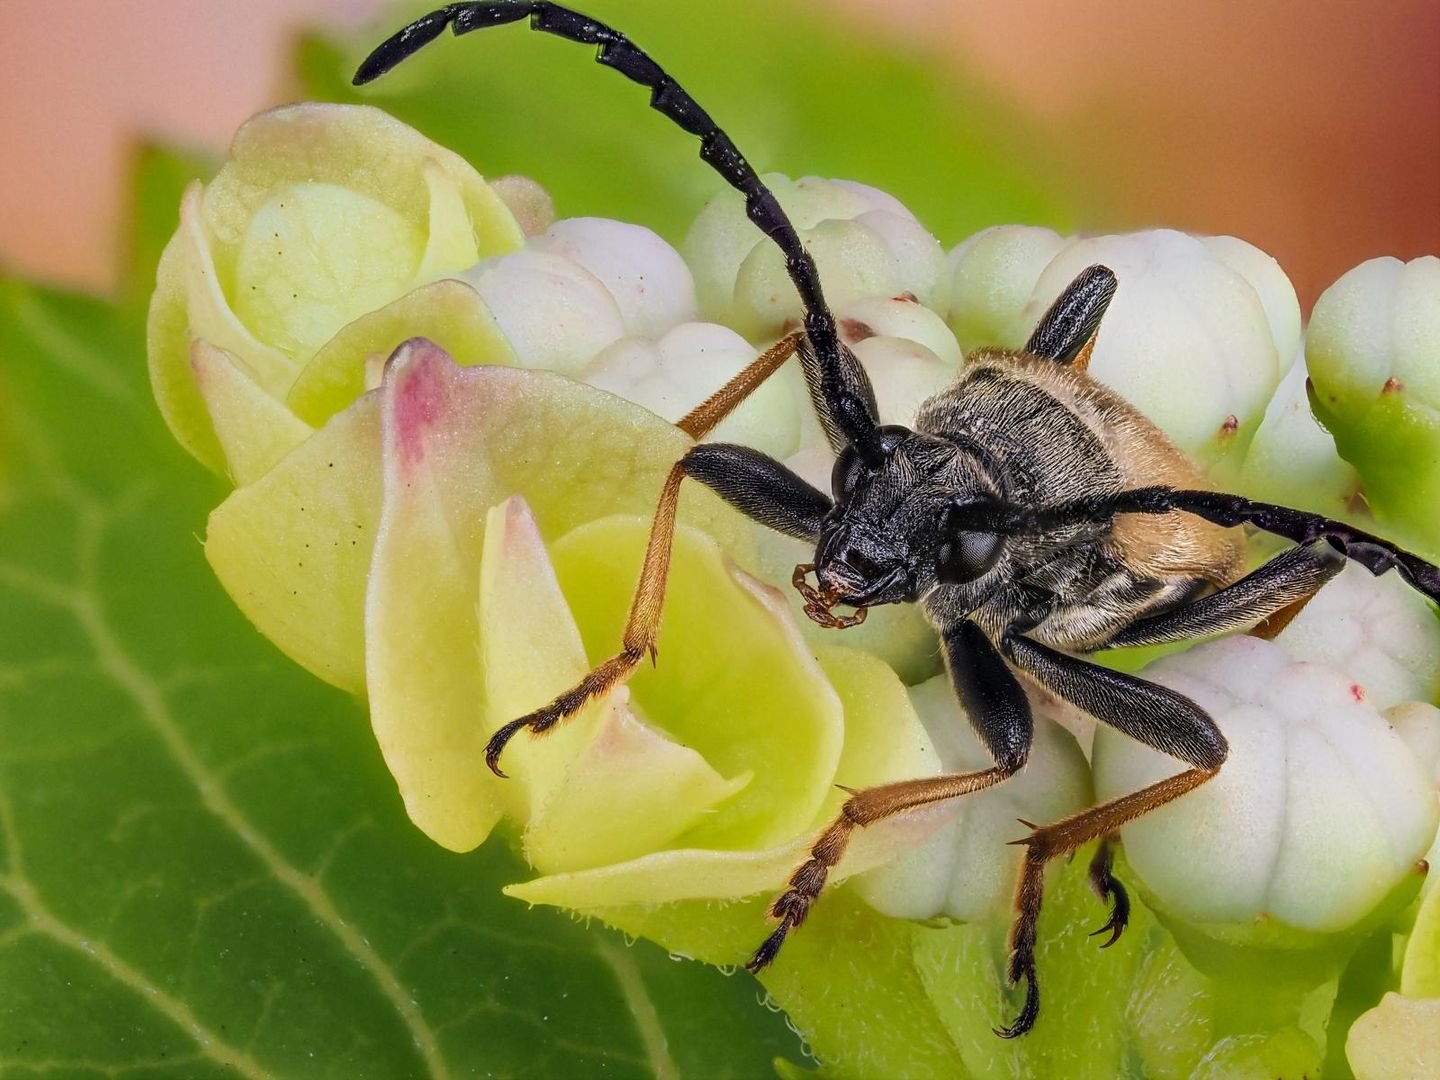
(1032, 513)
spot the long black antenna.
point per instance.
(840, 380)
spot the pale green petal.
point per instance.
(603, 787)
(459, 441)
(189, 303)
(316, 256)
(448, 312)
(293, 548)
(450, 241)
(631, 791)
(1399, 1039)
(530, 650)
(323, 213)
(359, 148)
(884, 741)
(254, 429)
(733, 679)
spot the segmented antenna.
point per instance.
(841, 381)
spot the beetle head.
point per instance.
(898, 528)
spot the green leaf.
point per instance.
(205, 870)
(799, 92)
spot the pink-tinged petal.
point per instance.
(426, 687)
(255, 430)
(457, 442)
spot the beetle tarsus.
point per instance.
(1023, 967)
(1109, 889)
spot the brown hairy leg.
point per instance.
(862, 808)
(1062, 838)
(643, 624)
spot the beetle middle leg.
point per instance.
(1000, 713)
(1153, 715)
(760, 487)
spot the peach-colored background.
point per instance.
(1311, 128)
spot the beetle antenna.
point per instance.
(1375, 553)
(838, 379)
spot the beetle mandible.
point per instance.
(1032, 513)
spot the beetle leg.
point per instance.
(864, 807)
(643, 624)
(1108, 888)
(998, 709)
(1153, 715)
(1273, 593)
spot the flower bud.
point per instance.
(674, 374)
(1372, 347)
(1377, 631)
(528, 202)
(1293, 461)
(864, 242)
(647, 278)
(967, 870)
(1197, 337)
(1320, 811)
(554, 312)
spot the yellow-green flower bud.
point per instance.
(1374, 355)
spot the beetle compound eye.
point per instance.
(967, 555)
(846, 474)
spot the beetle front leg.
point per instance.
(642, 626)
